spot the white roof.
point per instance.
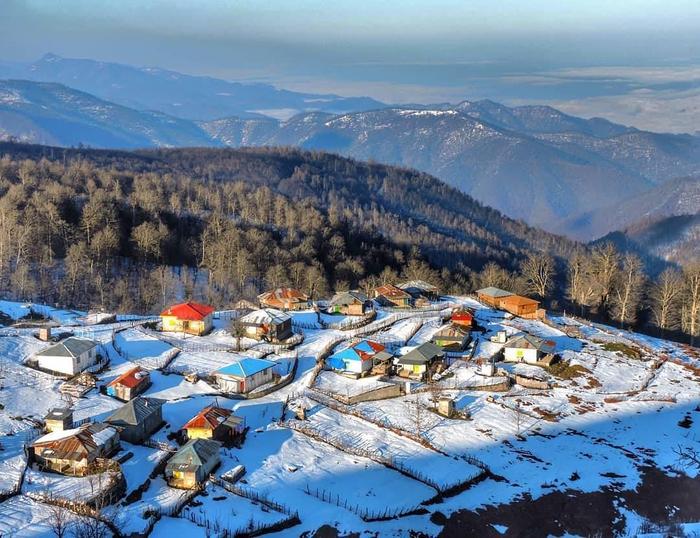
(265, 315)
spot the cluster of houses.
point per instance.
(83, 449)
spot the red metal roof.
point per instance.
(131, 379)
(464, 316)
(188, 311)
(209, 417)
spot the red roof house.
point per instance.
(190, 317)
(129, 384)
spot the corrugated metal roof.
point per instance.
(529, 341)
(420, 285)
(391, 291)
(209, 417)
(189, 311)
(245, 367)
(494, 292)
(70, 347)
(265, 316)
(135, 411)
(362, 351)
(422, 354)
(282, 295)
(131, 379)
(193, 454)
(345, 298)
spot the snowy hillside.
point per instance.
(607, 419)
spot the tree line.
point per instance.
(137, 231)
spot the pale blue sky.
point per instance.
(397, 51)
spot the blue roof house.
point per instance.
(359, 358)
(245, 375)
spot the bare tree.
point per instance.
(691, 301)
(538, 271)
(238, 332)
(604, 268)
(688, 456)
(627, 290)
(60, 520)
(580, 289)
(664, 296)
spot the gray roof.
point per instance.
(348, 297)
(422, 354)
(70, 347)
(529, 341)
(265, 316)
(494, 292)
(135, 411)
(194, 453)
(418, 285)
(58, 413)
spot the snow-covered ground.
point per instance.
(618, 402)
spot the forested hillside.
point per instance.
(94, 228)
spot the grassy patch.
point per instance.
(619, 347)
(565, 370)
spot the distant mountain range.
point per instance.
(663, 222)
(184, 96)
(562, 173)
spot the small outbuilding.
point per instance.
(190, 318)
(58, 419)
(137, 419)
(245, 375)
(418, 362)
(192, 464)
(392, 296)
(359, 358)
(215, 423)
(284, 299)
(349, 303)
(130, 384)
(267, 324)
(69, 357)
(528, 348)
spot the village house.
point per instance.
(215, 423)
(418, 362)
(192, 463)
(530, 349)
(58, 419)
(129, 385)
(70, 356)
(359, 358)
(137, 419)
(492, 296)
(421, 289)
(190, 318)
(390, 295)
(284, 299)
(463, 317)
(453, 337)
(75, 451)
(349, 303)
(267, 324)
(245, 375)
(523, 307)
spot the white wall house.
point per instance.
(70, 356)
(527, 348)
(245, 375)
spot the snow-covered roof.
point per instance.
(348, 297)
(265, 316)
(70, 347)
(529, 341)
(494, 292)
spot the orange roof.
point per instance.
(130, 379)
(518, 300)
(209, 417)
(391, 291)
(462, 315)
(283, 295)
(188, 311)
